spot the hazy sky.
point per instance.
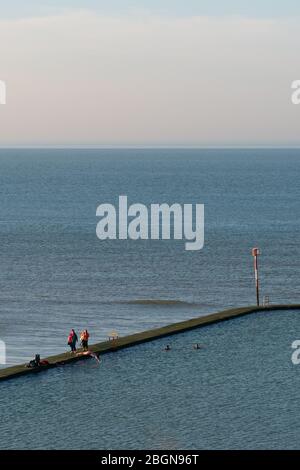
(255, 8)
(200, 73)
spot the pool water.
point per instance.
(240, 391)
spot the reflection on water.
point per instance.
(240, 391)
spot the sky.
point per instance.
(149, 73)
(255, 8)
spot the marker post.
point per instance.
(255, 254)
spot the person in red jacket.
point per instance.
(84, 337)
(72, 340)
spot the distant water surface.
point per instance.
(56, 275)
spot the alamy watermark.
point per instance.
(296, 354)
(2, 352)
(159, 222)
(2, 92)
(295, 97)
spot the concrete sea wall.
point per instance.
(150, 335)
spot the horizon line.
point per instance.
(150, 147)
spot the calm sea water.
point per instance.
(56, 275)
(241, 391)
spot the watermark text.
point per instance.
(296, 354)
(2, 92)
(2, 353)
(296, 93)
(159, 222)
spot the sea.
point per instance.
(239, 390)
(55, 273)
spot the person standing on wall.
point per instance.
(84, 338)
(72, 340)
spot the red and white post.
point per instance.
(255, 254)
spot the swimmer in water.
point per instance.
(89, 354)
(95, 356)
(167, 348)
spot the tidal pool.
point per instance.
(240, 391)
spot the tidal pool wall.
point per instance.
(137, 338)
